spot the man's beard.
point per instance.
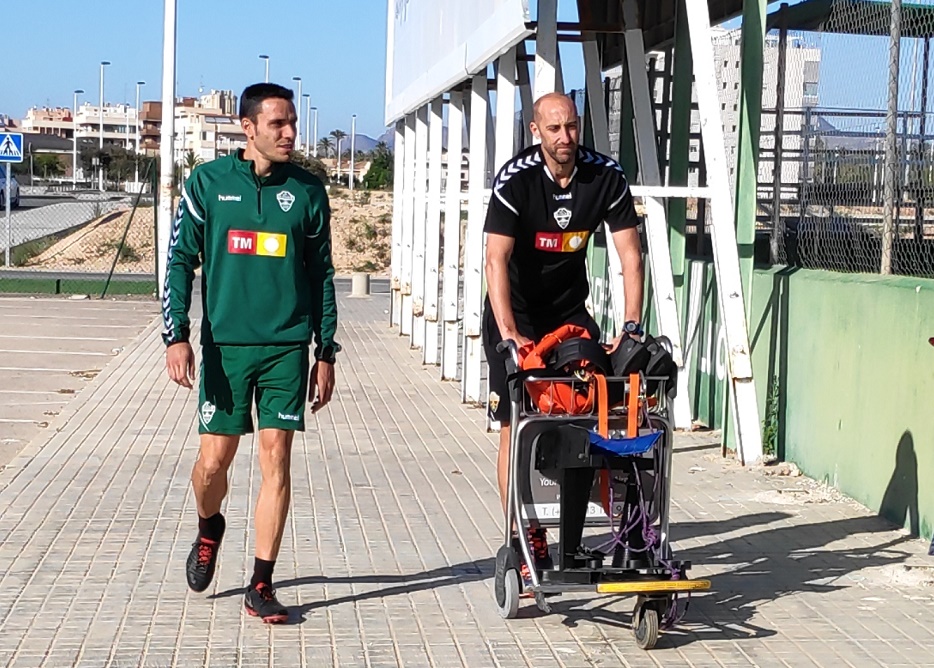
(565, 159)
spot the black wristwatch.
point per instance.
(632, 327)
(328, 353)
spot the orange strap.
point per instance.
(603, 428)
(632, 426)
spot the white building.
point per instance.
(802, 75)
(119, 123)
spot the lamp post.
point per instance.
(138, 84)
(353, 132)
(263, 56)
(100, 172)
(308, 136)
(314, 137)
(74, 136)
(298, 122)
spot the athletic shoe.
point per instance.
(261, 602)
(202, 561)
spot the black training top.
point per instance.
(552, 225)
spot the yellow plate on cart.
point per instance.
(652, 586)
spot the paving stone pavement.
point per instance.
(388, 552)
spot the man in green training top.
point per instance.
(260, 228)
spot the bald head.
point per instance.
(550, 103)
(556, 124)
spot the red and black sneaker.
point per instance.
(202, 561)
(538, 542)
(261, 602)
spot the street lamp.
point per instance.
(74, 136)
(298, 123)
(100, 110)
(263, 56)
(138, 84)
(314, 137)
(307, 122)
(353, 131)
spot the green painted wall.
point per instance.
(844, 374)
(855, 383)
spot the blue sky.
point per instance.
(337, 47)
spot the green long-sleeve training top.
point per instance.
(265, 247)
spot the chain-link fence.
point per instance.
(851, 184)
(67, 241)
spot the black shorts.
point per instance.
(498, 399)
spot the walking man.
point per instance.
(547, 202)
(259, 226)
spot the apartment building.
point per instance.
(119, 123)
(802, 78)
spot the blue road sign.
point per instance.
(11, 147)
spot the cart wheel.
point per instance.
(542, 602)
(506, 583)
(645, 625)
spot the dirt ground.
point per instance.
(361, 237)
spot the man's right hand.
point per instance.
(521, 341)
(180, 363)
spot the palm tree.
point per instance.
(325, 145)
(381, 148)
(338, 135)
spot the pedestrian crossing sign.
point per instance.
(11, 147)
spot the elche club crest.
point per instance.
(207, 412)
(285, 199)
(563, 217)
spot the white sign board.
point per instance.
(434, 45)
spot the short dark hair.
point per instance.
(253, 97)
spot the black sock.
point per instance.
(262, 572)
(212, 527)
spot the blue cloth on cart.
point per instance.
(625, 446)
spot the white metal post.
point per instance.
(524, 83)
(505, 109)
(307, 124)
(74, 147)
(353, 149)
(6, 205)
(505, 131)
(723, 236)
(546, 48)
(418, 239)
(433, 230)
(314, 136)
(656, 218)
(408, 224)
(266, 58)
(398, 197)
(471, 386)
(100, 116)
(452, 237)
(136, 161)
(167, 143)
(298, 110)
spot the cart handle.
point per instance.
(510, 346)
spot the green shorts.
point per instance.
(233, 376)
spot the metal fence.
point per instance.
(64, 241)
(847, 184)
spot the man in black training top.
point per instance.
(260, 226)
(546, 203)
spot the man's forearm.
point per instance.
(629, 248)
(633, 285)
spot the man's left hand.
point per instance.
(320, 385)
(615, 344)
